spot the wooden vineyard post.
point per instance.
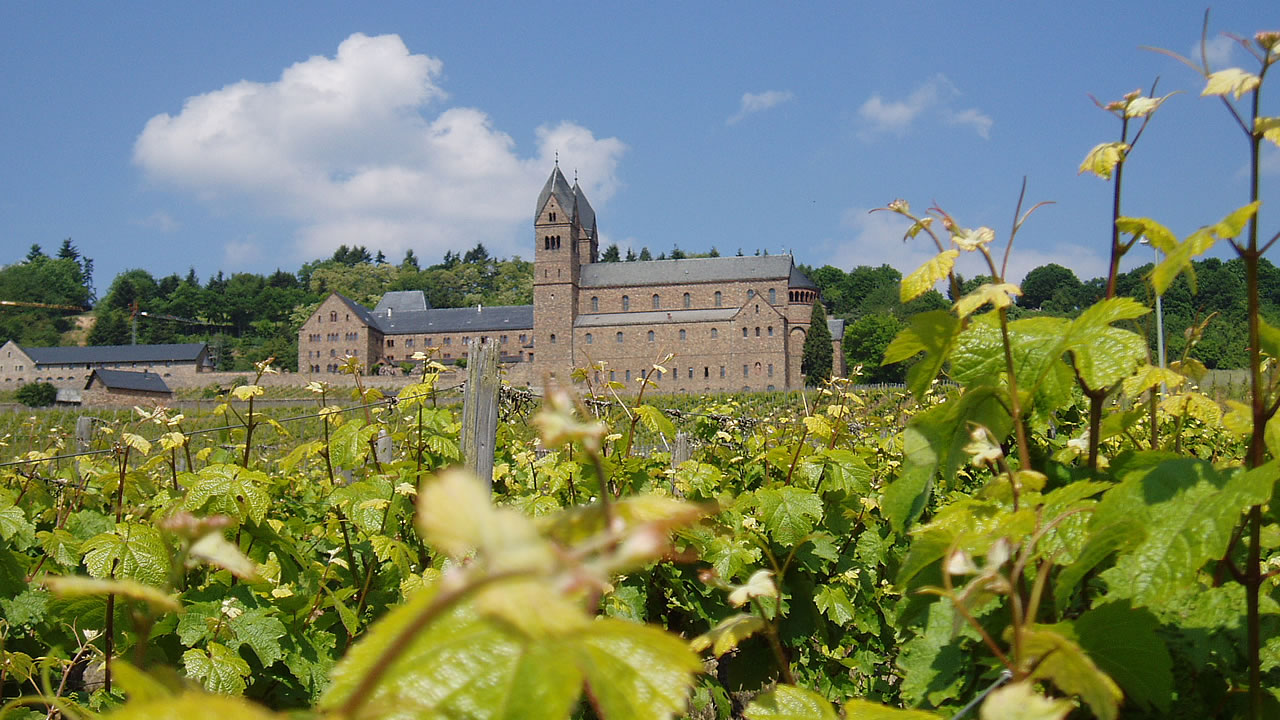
(84, 437)
(480, 412)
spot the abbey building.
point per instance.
(731, 323)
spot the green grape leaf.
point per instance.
(997, 295)
(198, 621)
(219, 669)
(349, 444)
(13, 522)
(844, 470)
(309, 657)
(1103, 158)
(61, 546)
(132, 551)
(1066, 665)
(1020, 701)
(788, 702)
(1231, 81)
(933, 662)
(1160, 237)
(789, 513)
(635, 671)
(455, 515)
(77, 586)
(463, 663)
(193, 705)
(656, 420)
(1188, 509)
(726, 635)
(832, 601)
(928, 275)
(261, 631)
(216, 550)
(1143, 106)
(934, 442)
(228, 490)
(1268, 127)
(1125, 644)
(933, 333)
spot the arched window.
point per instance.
(719, 299)
(688, 301)
(715, 333)
(333, 316)
(770, 331)
(626, 303)
(650, 336)
(682, 335)
(589, 338)
(619, 336)
(595, 304)
(553, 338)
(656, 303)
(744, 332)
(757, 332)
(751, 294)
(773, 296)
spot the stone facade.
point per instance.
(734, 323)
(71, 367)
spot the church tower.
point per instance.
(562, 244)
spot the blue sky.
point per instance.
(251, 136)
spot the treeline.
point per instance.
(867, 299)
(243, 316)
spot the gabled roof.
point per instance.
(402, 301)
(465, 319)
(800, 280)
(178, 352)
(558, 186)
(125, 380)
(693, 270)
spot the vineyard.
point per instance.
(1046, 523)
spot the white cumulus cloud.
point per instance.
(756, 102)
(361, 149)
(932, 97)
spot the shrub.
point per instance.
(37, 394)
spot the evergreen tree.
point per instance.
(68, 251)
(677, 253)
(714, 252)
(815, 363)
(410, 261)
(380, 259)
(611, 254)
(644, 253)
(35, 253)
(631, 255)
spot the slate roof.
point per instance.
(836, 326)
(177, 352)
(558, 186)
(439, 320)
(693, 270)
(402, 301)
(586, 214)
(655, 317)
(361, 311)
(125, 380)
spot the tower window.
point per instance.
(744, 332)
(626, 303)
(719, 299)
(751, 294)
(757, 331)
(773, 296)
(595, 304)
(588, 338)
(553, 338)
(656, 303)
(715, 333)
(553, 217)
(650, 336)
(770, 331)
(688, 301)
(619, 336)
(682, 335)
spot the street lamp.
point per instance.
(1159, 312)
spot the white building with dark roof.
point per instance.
(730, 323)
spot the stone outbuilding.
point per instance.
(71, 366)
(124, 387)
